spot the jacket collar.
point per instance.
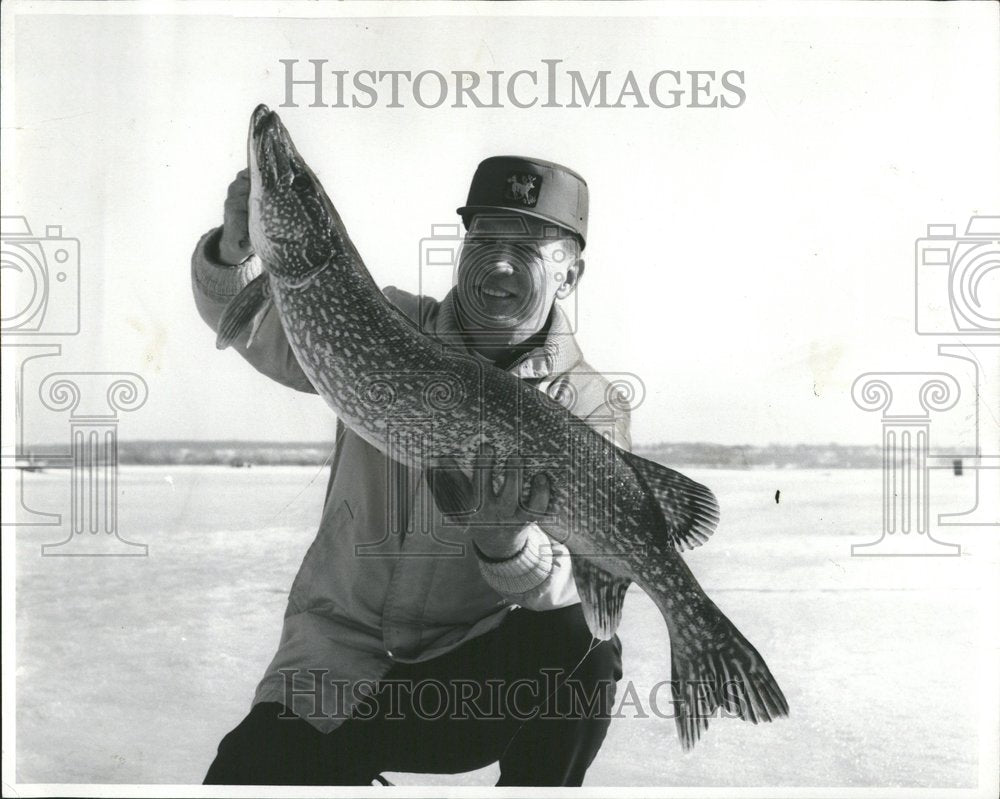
(558, 354)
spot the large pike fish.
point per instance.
(623, 519)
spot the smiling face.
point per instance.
(510, 270)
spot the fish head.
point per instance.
(292, 221)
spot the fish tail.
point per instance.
(720, 671)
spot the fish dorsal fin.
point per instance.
(242, 309)
(688, 508)
(602, 596)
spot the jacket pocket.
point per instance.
(318, 564)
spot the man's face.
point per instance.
(510, 270)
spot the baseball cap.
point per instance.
(530, 186)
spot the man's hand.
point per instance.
(496, 519)
(234, 245)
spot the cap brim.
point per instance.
(499, 209)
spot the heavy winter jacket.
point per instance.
(387, 579)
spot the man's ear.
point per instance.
(573, 275)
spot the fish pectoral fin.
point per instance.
(689, 509)
(453, 492)
(242, 309)
(602, 596)
(259, 319)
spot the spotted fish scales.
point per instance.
(623, 519)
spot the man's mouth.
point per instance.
(496, 284)
(499, 293)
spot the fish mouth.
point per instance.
(290, 216)
(272, 155)
(257, 118)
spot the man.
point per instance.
(413, 642)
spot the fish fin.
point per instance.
(259, 319)
(241, 310)
(727, 673)
(689, 509)
(602, 596)
(452, 490)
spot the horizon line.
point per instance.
(331, 441)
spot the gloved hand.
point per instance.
(234, 244)
(496, 520)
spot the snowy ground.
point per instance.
(131, 670)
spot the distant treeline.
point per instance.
(260, 453)
(777, 456)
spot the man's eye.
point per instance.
(301, 182)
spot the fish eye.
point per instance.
(301, 182)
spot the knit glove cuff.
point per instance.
(218, 281)
(525, 570)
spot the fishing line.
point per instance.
(293, 500)
(594, 643)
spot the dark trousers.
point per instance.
(528, 694)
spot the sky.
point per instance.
(746, 264)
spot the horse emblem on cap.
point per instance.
(523, 189)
